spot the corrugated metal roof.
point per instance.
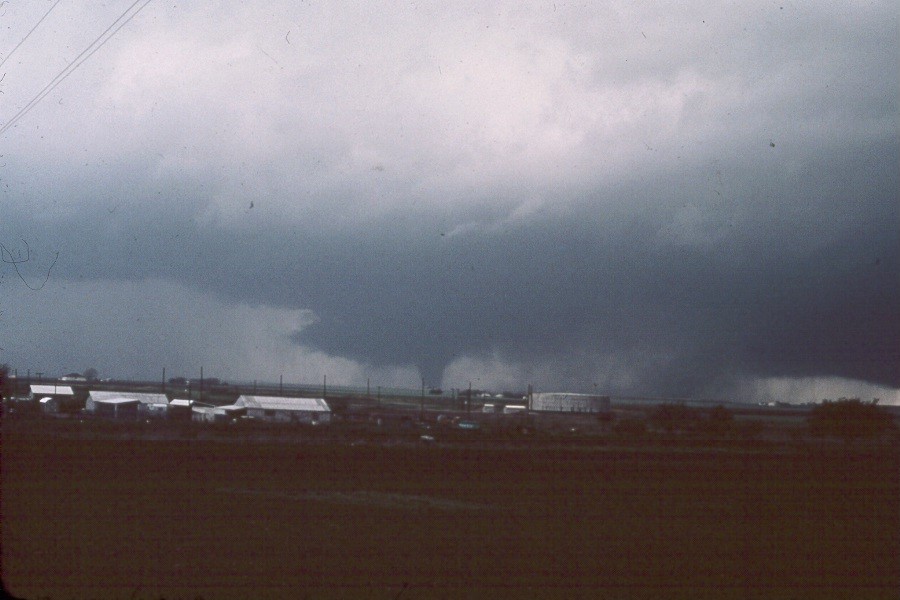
(284, 403)
(52, 390)
(118, 397)
(567, 402)
(567, 395)
(118, 401)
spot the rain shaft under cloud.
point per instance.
(581, 200)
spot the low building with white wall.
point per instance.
(563, 402)
(126, 404)
(280, 409)
(37, 392)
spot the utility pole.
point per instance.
(281, 385)
(324, 386)
(422, 401)
(164, 381)
(201, 384)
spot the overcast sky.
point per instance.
(626, 198)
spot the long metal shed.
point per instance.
(568, 403)
(126, 404)
(180, 408)
(202, 414)
(280, 409)
(54, 398)
(50, 391)
(49, 405)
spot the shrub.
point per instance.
(850, 419)
(719, 421)
(673, 417)
(4, 381)
(631, 426)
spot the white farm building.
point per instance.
(280, 409)
(54, 398)
(126, 404)
(202, 414)
(568, 403)
(37, 392)
(50, 405)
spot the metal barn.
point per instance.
(180, 409)
(115, 408)
(279, 409)
(50, 391)
(54, 398)
(202, 414)
(49, 405)
(126, 404)
(568, 403)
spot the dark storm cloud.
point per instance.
(696, 197)
(758, 303)
(776, 283)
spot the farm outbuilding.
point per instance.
(279, 409)
(126, 404)
(54, 398)
(202, 414)
(36, 392)
(116, 408)
(49, 405)
(229, 413)
(568, 403)
(180, 409)
(155, 410)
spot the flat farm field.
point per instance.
(102, 518)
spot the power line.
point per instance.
(11, 52)
(104, 37)
(98, 43)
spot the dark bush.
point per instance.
(719, 421)
(674, 417)
(850, 419)
(4, 381)
(631, 426)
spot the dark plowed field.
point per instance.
(150, 519)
